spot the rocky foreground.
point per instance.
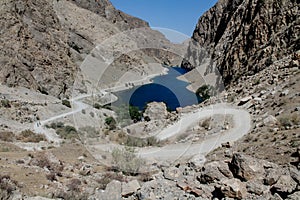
(237, 177)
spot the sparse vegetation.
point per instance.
(74, 185)
(4, 149)
(7, 136)
(56, 125)
(111, 122)
(289, 120)
(51, 177)
(127, 114)
(295, 119)
(41, 160)
(30, 136)
(74, 191)
(7, 186)
(206, 123)
(97, 106)
(89, 131)
(5, 103)
(206, 91)
(131, 141)
(66, 102)
(140, 142)
(67, 132)
(135, 113)
(126, 161)
(107, 178)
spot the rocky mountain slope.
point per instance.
(245, 36)
(44, 42)
(254, 46)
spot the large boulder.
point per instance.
(284, 185)
(271, 176)
(214, 171)
(130, 188)
(270, 121)
(256, 187)
(246, 168)
(112, 191)
(173, 173)
(234, 188)
(295, 174)
(244, 100)
(156, 111)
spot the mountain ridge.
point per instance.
(43, 51)
(245, 36)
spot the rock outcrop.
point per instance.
(44, 42)
(156, 111)
(34, 49)
(218, 180)
(245, 36)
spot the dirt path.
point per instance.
(170, 153)
(241, 126)
(78, 106)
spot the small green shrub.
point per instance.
(107, 178)
(135, 113)
(289, 120)
(74, 185)
(7, 136)
(92, 114)
(29, 136)
(111, 122)
(66, 102)
(206, 123)
(7, 186)
(126, 161)
(5, 103)
(4, 149)
(140, 142)
(97, 106)
(41, 160)
(57, 125)
(206, 91)
(89, 131)
(51, 177)
(295, 119)
(67, 132)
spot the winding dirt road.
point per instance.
(241, 126)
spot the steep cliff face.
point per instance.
(246, 36)
(105, 9)
(34, 52)
(44, 42)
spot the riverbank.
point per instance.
(128, 82)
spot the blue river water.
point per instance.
(166, 88)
